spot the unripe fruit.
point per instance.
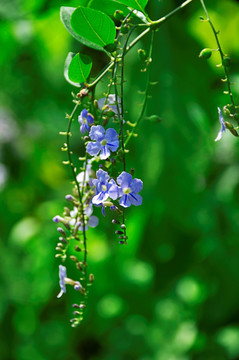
(205, 53)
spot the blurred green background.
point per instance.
(172, 293)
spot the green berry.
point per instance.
(205, 53)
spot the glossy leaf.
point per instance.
(96, 28)
(108, 6)
(134, 4)
(65, 15)
(77, 68)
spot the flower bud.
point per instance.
(114, 221)
(76, 313)
(57, 219)
(119, 15)
(73, 258)
(124, 29)
(66, 211)
(69, 198)
(62, 240)
(142, 54)
(230, 127)
(226, 62)
(91, 278)
(61, 231)
(76, 306)
(108, 203)
(82, 93)
(77, 248)
(205, 53)
(79, 266)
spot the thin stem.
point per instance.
(221, 54)
(146, 91)
(102, 74)
(156, 24)
(78, 190)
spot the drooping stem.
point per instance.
(222, 55)
(146, 91)
(70, 117)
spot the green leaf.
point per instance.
(77, 68)
(96, 28)
(65, 15)
(108, 6)
(134, 4)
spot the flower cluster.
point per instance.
(126, 189)
(94, 187)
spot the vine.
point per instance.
(106, 132)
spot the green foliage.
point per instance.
(108, 6)
(77, 68)
(172, 292)
(95, 27)
(134, 4)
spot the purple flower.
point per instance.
(223, 127)
(127, 191)
(109, 103)
(85, 119)
(85, 176)
(65, 280)
(102, 186)
(62, 276)
(90, 220)
(105, 141)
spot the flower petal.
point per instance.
(113, 145)
(102, 176)
(124, 201)
(124, 179)
(114, 192)
(93, 221)
(82, 128)
(111, 135)
(100, 198)
(84, 113)
(105, 152)
(90, 119)
(136, 185)
(135, 199)
(223, 127)
(62, 276)
(88, 210)
(93, 148)
(97, 133)
(101, 103)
